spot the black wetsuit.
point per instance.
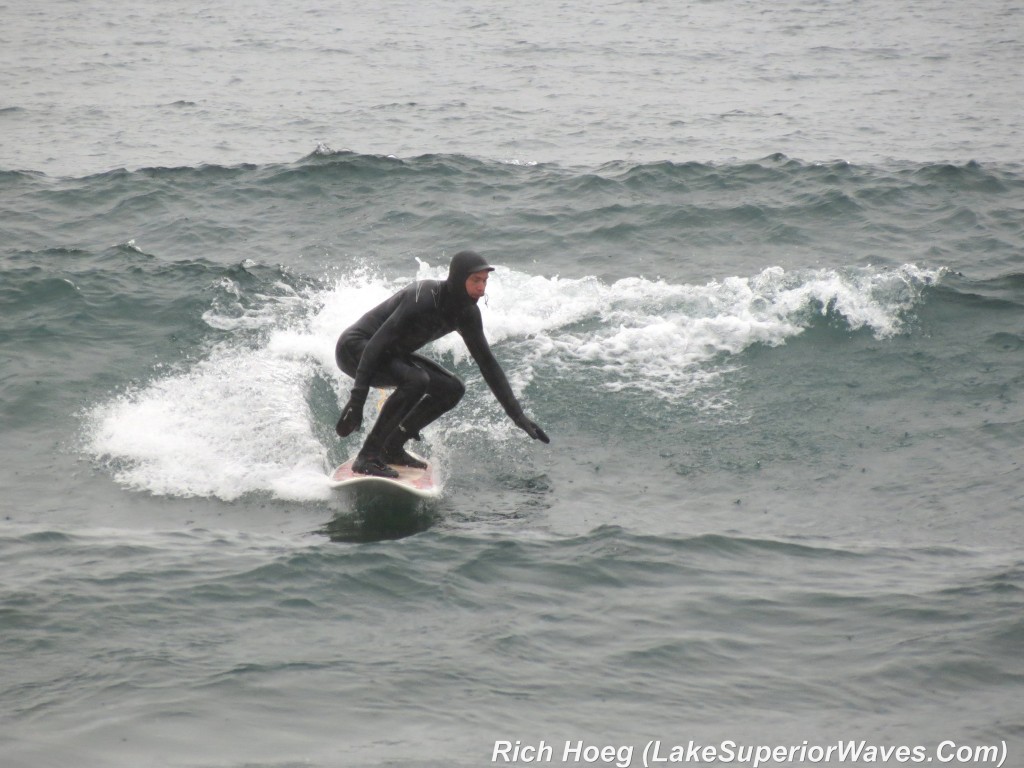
(379, 350)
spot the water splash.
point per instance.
(244, 419)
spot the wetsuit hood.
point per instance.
(464, 264)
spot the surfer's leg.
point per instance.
(411, 384)
(347, 354)
(442, 393)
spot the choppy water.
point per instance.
(760, 280)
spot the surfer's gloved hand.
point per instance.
(532, 429)
(352, 414)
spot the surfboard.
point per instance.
(418, 482)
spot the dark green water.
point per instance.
(781, 503)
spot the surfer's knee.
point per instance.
(415, 381)
(348, 351)
(452, 391)
(345, 357)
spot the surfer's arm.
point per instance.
(387, 329)
(472, 332)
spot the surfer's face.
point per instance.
(476, 284)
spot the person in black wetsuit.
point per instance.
(379, 350)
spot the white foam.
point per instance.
(238, 421)
(663, 338)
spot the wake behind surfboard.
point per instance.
(418, 482)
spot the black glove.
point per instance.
(532, 429)
(352, 414)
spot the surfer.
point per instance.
(379, 350)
